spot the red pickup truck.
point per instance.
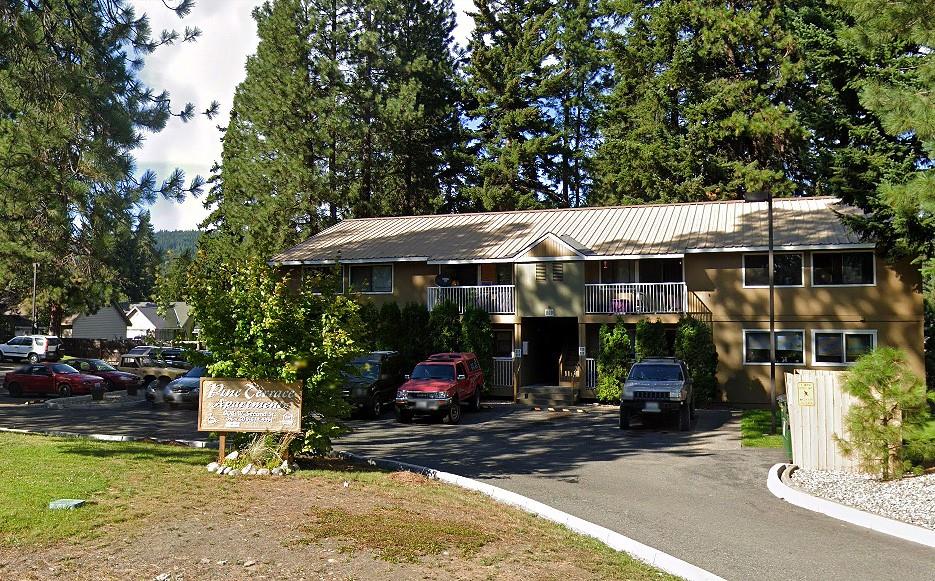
(440, 386)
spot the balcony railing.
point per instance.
(636, 298)
(590, 373)
(495, 299)
(502, 373)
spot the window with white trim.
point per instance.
(843, 269)
(371, 278)
(787, 269)
(841, 347)
(790, 347)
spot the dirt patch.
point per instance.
(342, 525)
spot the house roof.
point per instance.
(175, 318)
(70, 320)
(647, 230)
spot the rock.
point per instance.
(224, 562)
(252, 471)
(246, 469)
(249, 563)
(205, 561)
(276, 471)
(233, 455)
(66, 504)
(212, 467)
(262, 472)
(162, 577)
(231, 472)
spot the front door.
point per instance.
(547, 343)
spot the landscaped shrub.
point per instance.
(477, 337)
(613, 362)
(370, 317)
(445, 324)
(650, 339)
(415, 337)
(389, 327)
(694, 344)
(891, 403)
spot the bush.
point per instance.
(416, 337)
(445, 325)
(389, 327)
(477, 337)
(650, 339)
(891, 404)
(694, 344)
(613, 362)
(370, 317)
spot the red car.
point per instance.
(49, 378)
(113, 378)
(439, 386)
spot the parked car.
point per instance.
(34, 348)
(156, 374)
(48, 379)
(372, 381)
(439, 386)
(182, 391)
(658, 385)
(170, 356)
(113, 378)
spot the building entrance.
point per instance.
(551, 350)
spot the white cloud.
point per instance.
(206, 70)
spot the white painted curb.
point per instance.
(881, 524)
(113, 438)
(612, 539)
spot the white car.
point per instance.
(33, 348)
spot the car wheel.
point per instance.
(685, 418)
(33, 358)
(15, 390)
(64, 390)
(624, 419)
(109, 385)
(454, 413)
(374, 407)
(404, 417)
(475, 399)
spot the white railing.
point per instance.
(636, 297)
(496, 299)
(502, 372)
(590, 373)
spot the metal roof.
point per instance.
(614, 231)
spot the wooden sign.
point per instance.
(244, 405)
(806, 393)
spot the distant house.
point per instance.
(144, 319)
(109, 322)
(12, 325)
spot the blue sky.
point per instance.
(208, 69)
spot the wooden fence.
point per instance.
(817, 406)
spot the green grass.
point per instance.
(755, 430)
(110, 475)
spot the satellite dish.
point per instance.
(442, 281)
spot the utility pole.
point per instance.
(35, 271)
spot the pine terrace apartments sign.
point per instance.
(244, 405)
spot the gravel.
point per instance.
(910, 499)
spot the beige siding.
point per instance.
(107, 323)
(566, 296)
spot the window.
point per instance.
(841, 347)
(461, 371)
(843, 268)
(790, 347)
(558, 272)
(617, 271)
(787, 270)
(502, 342)
(372, 279)
(504, 274)
(540, 272)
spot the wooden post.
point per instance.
(222, 443)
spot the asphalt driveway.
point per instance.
(697, 495)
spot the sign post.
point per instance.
(245, 405)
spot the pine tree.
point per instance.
(72, 110)
(144, 261)
(510, 79)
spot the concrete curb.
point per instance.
(120, 400)
(612, 539)
(908, 532)
(113, 438)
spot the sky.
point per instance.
(199, 72)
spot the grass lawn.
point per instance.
(155, 510)
(755, 430)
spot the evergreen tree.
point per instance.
(510, 79)
(144, 261)
(72, 110)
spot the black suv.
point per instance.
(658, 385)
(371, 382)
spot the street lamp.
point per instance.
(767, 197)
(35, 270)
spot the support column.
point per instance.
(582, 358)
(517, 361)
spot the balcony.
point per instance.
(635, 298)
(496, 299)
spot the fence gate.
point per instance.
(817, 406)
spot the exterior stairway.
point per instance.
(546, 396)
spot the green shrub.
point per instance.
(415, 336)
(389, 327)
(613, 362)
(891, 404)
(370, 317)
(445, 325)
(694, 344)
(477, 337)
(650, 339)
